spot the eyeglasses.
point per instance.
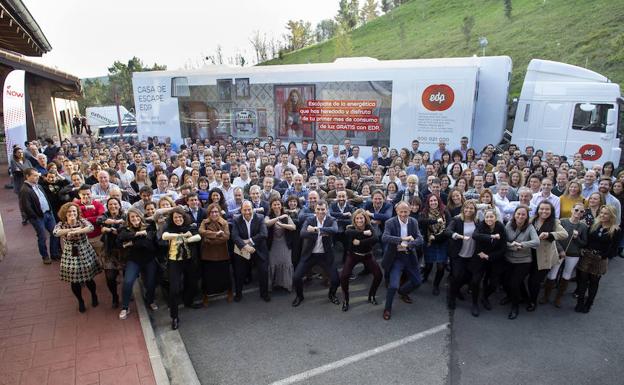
(578, 210)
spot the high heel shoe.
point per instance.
(345, 306)
(94, 300)
(175, 322)
(372, 300)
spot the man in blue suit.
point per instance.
(317, 232)
(402, 238)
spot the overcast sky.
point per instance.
(87, 36)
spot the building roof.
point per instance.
(19, 32)
(69, 83)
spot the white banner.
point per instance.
(14, 105)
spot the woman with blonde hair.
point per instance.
(602, 244)
(78, 262)
(570, 198)
(361, 238)
(138, 239)
(593, 203)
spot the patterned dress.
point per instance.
(78, 262)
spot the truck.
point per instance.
(561, 108)
(104, 121)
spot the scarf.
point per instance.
(437, 227)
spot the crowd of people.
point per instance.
(200, 218)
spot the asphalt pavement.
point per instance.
(253, 342)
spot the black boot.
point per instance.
(587, 306)
(513, 314)
(580, 305)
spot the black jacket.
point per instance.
(139, 249)
(29, 202)
(455, 245)
(258, 234)
(494, 248)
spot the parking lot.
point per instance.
(253, 342)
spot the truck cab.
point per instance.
(568, 110)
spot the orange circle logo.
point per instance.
(438, 97)
(590, 152)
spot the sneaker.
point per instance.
(123, 314)
(153, 306)
(47, 261)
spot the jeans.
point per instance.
(42, 225)
(402, 264)
(132, 273)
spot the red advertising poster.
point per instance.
(343, 115)
(289, 99)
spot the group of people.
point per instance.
(201, 218)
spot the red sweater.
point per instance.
(91, 214)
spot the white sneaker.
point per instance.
(123, 314)
(153, 306)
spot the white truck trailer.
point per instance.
(562, 108)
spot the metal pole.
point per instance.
(120, 128)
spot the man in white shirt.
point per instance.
(162, 189)
(125, 176)
(356, 158)
(545, 194)
(335, 156)
(181, 167)
(242, 180)
(226, 186)
(500, 198)
(317, 232)
(524, 195)
(283, 165)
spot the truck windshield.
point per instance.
(592, 120)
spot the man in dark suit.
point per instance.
(197, 213)
(378, 210)
(259, 206)
(341, 210)
(402, 238)
(249, 234)
(38, 210)
(317, 232)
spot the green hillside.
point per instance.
(580, 32)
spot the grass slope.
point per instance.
(580, 32)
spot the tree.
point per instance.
(217, 58)
(369, 11)
(386, 5)
(325, 30)
(508, 8)
(467, 28)
(299, 34)
(343, 44)
(120, 79)
(260, 46)
(348, 14)
(95, 92)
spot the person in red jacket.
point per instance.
(90, 210)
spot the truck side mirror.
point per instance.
(611, 118)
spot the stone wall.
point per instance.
(40, 92)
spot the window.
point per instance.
(179, 87)
(591, 119)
